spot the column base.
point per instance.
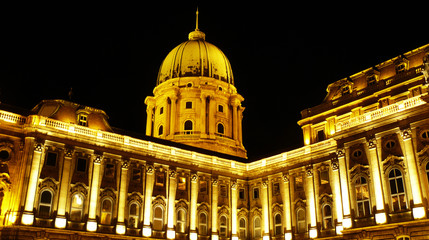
(91, 225)
(147, 231)
(347, 222)
(266, 236)
(171, 234)
(120, 228)
(193, 235)
(419, 212)
(27, 218)
(313, 232)
(288, 235)
(380, 217)
(339, 228)
(234, 237)
(60, 222)
(215, 236)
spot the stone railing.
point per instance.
(379, 113)
(12, 117)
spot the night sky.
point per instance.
(282, 56)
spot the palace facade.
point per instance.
(363, 172)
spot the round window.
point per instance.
(390, 144)
(424, 134)
(4, 155)
(357, 153)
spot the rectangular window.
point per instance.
(188, 105)
(324, 177)
(51, 159)
(220, 108)
(256, 193)
(161, 110)
(203, 186)
(81, 165)
(299, 183)
(223, 191)
(321, 135)
(181, 185)
(241, 194)
(137, 176)
(110, 170)
(82, 120)
(276, 189)
(159, 180)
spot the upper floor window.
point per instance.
(106, 211)
(161, 110)
(223, 226)
(241, 194)
(51, 159)
(82, 119)
(45, 204)
(300, 221)
(256, 193)
(278, 224)
(327, 217)
(81, 165)
(202, 224)
(397, 190)
(181, 221)
(242, 228)
(299, 182)
(158, 218)
(324, 176)
(134, 214)
(181, 185)
(76, 208)
(362, 197)
(160, 130)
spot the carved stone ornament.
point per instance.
(149, 169)
(372, 143)
(38, 147)
(285, 177)
(309, 171)
(125, 164)
(172, 174)
(194, 178)
(340, 152)
(406, 133)
(234, 184)
(98, 159)
(334, 164)
(265, 184)
(68, 152)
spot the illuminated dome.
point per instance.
(196, 57)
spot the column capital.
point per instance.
(406, 133)
(214, 182)
(334, 163)
(98, 159)
(172, 174)
(234, 184)
(285, 177)
(264, 183)
(68, 152)
(125, 164)
(38, 147)
(372, 143)
(149, 169)
(194, 178)
(340, 152)
(309, 171)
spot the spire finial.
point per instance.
(196, 24)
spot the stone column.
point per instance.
(215, 189)
(285, 192)
(91, 224)
(149, 119)
(380, 214)
(342, 163)
(311, 201)
(265, 210)
(240, 127)
(171, 233)
(418, 207)
(173, 115)
(235, 105)
(193, 208)
(203, 115)
(60, 220)
(150, 177)
(28, 215)
(337, 195)
(212, 117)
(234, 199)
(120, 226)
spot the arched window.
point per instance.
(278, 224)
(220, 128)
(257, 227)
(223, 226)
(327, 216)
(202, 224)
(106, 211)
(188, 127)
(300, 221)
(45, 204)
(397, 190)
(133, 215)
(160, 130)
(242, 228)
(181, 221)
(76, 208)
(362, 197)
(158, 217)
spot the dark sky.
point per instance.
(283, 57)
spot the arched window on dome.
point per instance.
(188, 127)
(220, 129)
(160, 130)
